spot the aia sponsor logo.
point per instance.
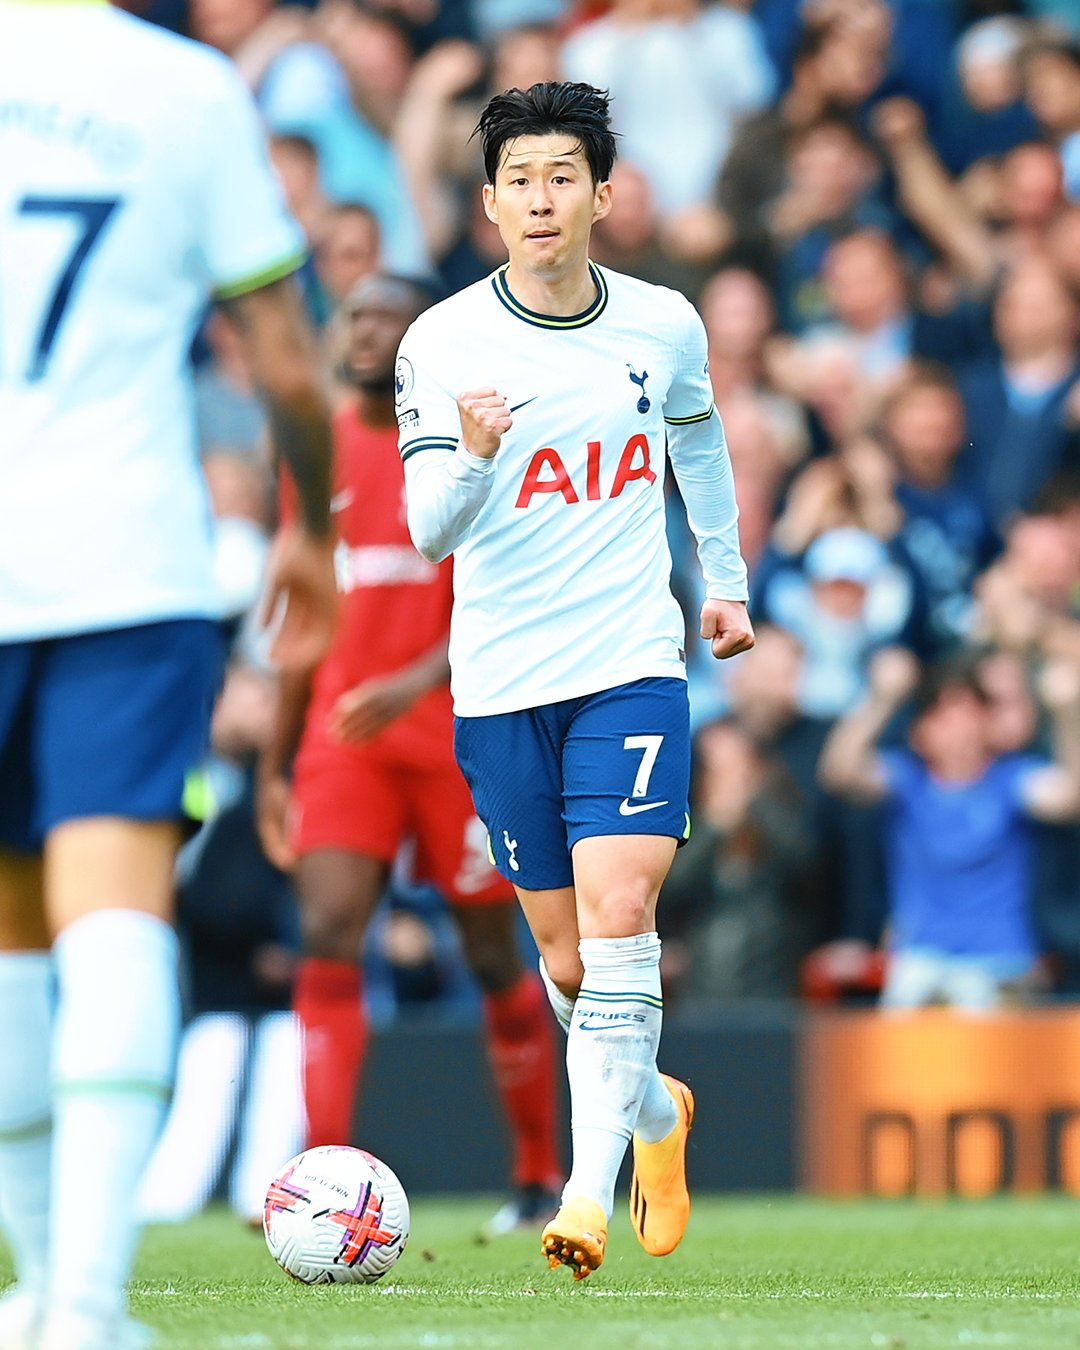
(547, 473)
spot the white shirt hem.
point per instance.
(579, 687)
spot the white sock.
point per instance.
(273, 1122)
(658, 1115)
(116, 1033)
(25, 1110)
(610, 1056)
(191, 1149)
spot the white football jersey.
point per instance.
(561, 563)
(134, 184)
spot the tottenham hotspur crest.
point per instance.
(643, 404)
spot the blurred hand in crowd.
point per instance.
(894, 673)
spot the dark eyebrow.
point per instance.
(547, 163)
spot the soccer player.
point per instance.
(134, 184)
(537, 410)
(376, 768)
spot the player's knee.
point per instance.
(495, 971)
(624, 913)
(565, 971)
(492, 956)
(330, 930)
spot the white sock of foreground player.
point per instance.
(117, 1027)
(25, 1110)
(658, 1115)
(611, 1057)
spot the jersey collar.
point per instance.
(502, 290)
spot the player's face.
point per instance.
(378, 317)
(545, 203)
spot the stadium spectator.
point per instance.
(829, 191)
(844, 601)
(957, 827)
(736, 915)
(767, 443)
(1051, 78)
(737, 310)
(339, 89)
(978, 234)
(1027, 600)
(843, 863)
(673, 65)
(833, 69)
(228, 24)
(945, 532)
(230, 416)
(1019, 415)
(867, 298)
(297, 163)
(629, 239)
(983, 111)
(350, 249)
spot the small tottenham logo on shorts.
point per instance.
(511, 848)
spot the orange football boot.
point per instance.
(576, 1237)
(659, 1200)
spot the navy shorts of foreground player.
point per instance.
(614, 762)
(103, 724)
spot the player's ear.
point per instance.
(601, 201)
(490, 209)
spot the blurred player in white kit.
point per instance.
(134, 186)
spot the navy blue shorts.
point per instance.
(103, 724)
(616, 762)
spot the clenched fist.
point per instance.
(485, 419)
(726, 624)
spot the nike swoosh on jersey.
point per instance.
(625, 809)
(525, 404)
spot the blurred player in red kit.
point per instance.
(372, 734)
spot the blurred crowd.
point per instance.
(875, 205)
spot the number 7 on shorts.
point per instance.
(650, 747)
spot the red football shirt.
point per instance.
(395, 605)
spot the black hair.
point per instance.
(579, 110)
(834, 115)
(948, 673)
(289, 140)
(422, 292)
(812, 39)
(921, 374)
(1065, 48)
(352, 208)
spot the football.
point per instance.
(336, 1216)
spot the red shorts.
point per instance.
(347, 797)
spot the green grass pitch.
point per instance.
(752, 1274)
